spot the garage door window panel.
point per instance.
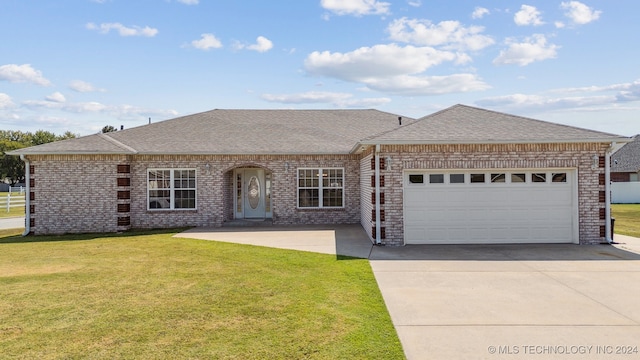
(539, 177)
(436, 178)
(498, 178)
(416, 179)
(559, 178)
(518, 178)
(477, 178)
(456, 178)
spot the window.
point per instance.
(416, 179)
(456, 178)
(171, 189)
(436, 179)
(538, 177)
(498, 178)
(559, 178)
(518, 178)
(316, 193)
(477, 178)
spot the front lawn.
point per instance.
(147, 295)
(627, 219)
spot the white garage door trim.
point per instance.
(491, 206)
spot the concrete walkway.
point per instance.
(12, 223)
(489, 301)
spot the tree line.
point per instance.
(11, 167)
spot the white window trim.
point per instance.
(172, 189)
(320, 188)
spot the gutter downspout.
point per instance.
(377, 193)
(27, 203)
(607, 193)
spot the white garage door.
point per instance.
(492, 206)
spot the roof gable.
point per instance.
(466, 124)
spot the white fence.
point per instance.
(12, 200)
(625, 192)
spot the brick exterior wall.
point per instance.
(88, 193)
(482, 156)
(83, 193)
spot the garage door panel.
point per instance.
(491, 212)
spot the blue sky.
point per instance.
(80, 65)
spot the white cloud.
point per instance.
(534, 48)
(479, 12)
(56, 97)
(428, 85)
(5, 101)
(415, 3)
(262, 45)
(447, 34)
(83, 86)
(377, 61)
(207, 42)
(356, 7)
(391, 68)
(122, 30)
(580, 13)
(559, 24)
(528, 15)
(606, 97)
(189, 2)
(22, 74)
(322, 97)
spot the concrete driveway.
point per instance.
(512, 301)
(489, 301)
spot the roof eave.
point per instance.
(472, 142)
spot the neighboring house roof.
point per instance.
(317, 132)
(237, 132)
(461, 124)
(627, 158)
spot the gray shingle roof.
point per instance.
(627, 158)
(316, 132)
(238, 132)
(465, 124)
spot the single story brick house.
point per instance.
(460, 175)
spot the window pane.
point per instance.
(416, 179)
(185, 199)
(456, 178)
(159, 199)
(559, 178)
(308, 198)
(498, 178)
(333, 178)
(518, 178)
(332, 198)
(538, 177)
(477, 178)
(436, 179)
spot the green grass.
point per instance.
(147, 295)
(627, 219)
(14, 211)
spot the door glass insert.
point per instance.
(253, 192)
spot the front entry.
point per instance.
(252, 193)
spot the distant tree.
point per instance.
(11, 167)
(109, 128)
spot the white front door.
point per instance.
(253, 193)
